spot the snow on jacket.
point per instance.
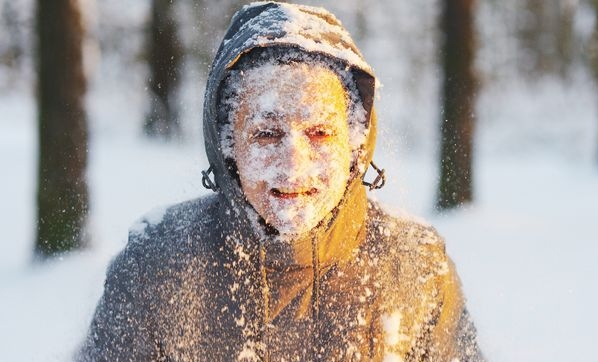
(202, 284)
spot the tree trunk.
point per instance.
(593, 52)
(12, 52)
(546, 37)
(361, 23)
(565, 37)
(165, 53)
(62, 196)
(458, 97)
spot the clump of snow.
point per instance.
(392, 357)
(154, 217)
(138, 228)
(391, 324)
(248, 353)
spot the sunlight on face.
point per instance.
(291, 144)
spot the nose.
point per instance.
(295, 155)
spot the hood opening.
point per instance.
(358, 110)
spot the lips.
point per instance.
(291, 193)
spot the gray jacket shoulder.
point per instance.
(417, 258)
(404, 231)
(182, 217)
(161, 247)
(181, 228)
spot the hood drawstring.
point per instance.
(315, 302)
(206, 181)
(378, 182)
(265, 303)
(315, 299)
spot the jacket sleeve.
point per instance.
(120, 328)
(466, 340)
(454, 331)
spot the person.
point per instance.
(287, 260)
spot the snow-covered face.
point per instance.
(291, 144)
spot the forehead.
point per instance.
(291, 88)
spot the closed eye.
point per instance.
(319, 133)
(267, 136)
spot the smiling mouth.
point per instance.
(283, 193)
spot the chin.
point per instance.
(289, 230)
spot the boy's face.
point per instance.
(291, 144)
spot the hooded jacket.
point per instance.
(202, 284)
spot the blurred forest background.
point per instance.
(467, 87)
(441, 56)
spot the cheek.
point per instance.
(254, 191)
(254, 161)
(333, 161)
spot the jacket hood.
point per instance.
(270, 24)
(313, 31)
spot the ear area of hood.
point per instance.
(370, 143)
(366, 85)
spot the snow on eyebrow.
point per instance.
(272, 102)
